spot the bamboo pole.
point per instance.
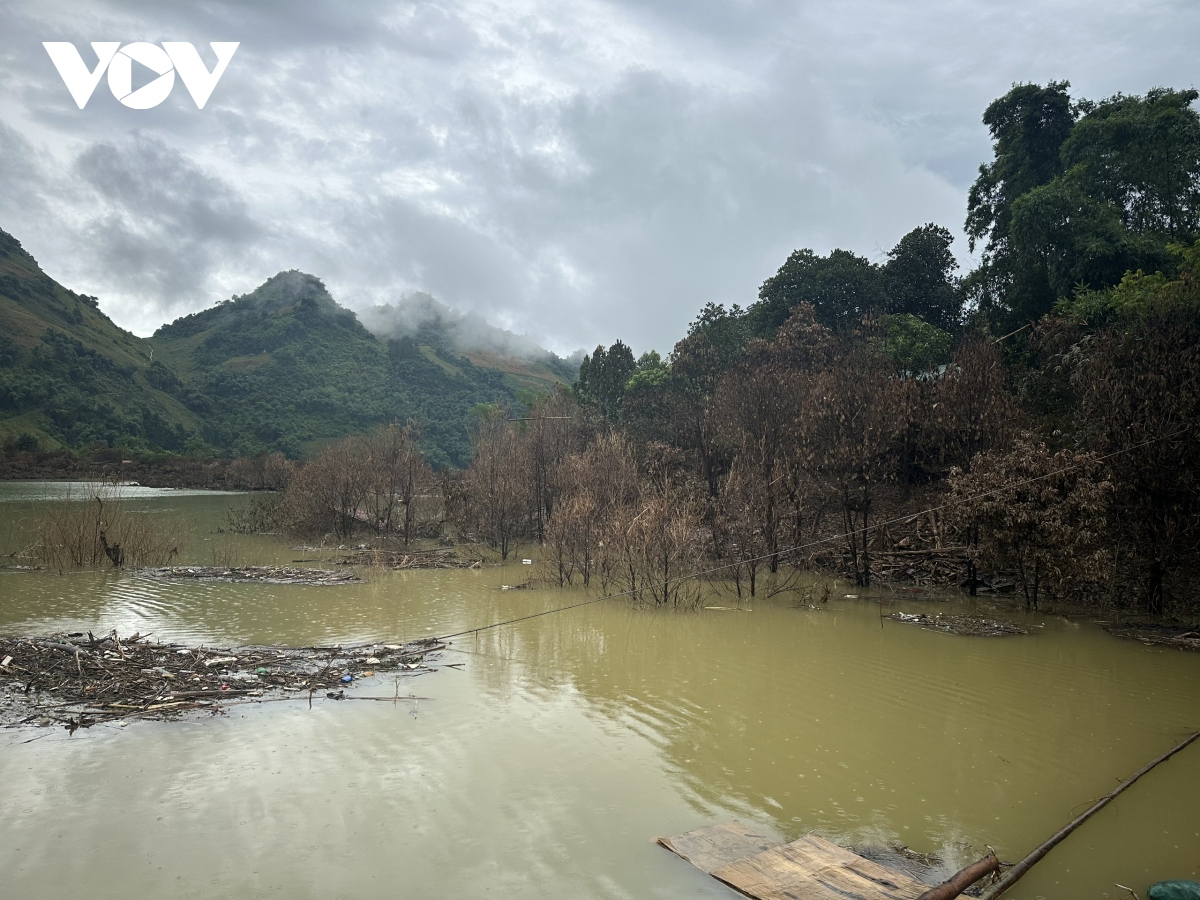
(1015, 873)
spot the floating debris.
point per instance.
(442, 558)
(78, 680)
(1154, 634)
(974, 626)
(260, 574)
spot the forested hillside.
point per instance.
(283, 369)
(69, 376)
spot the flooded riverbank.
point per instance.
(545, 766)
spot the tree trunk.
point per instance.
(1154, 589)
(866, 557)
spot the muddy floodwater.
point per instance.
(548, 762)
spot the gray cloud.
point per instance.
(577, 170)
(160, 221)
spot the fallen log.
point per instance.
(1015, 873)
(66, 648)
(962, 880)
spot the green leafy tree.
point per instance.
(1068, 239)
(603, 376)
(1028, 126)
(914, 345)
(1122, 184)
(1142, 155)
(841, 287)
(919, 279)
(650, 375)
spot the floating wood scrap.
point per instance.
(975, 626)
(78, 680)
(260, 574)
(810, 868)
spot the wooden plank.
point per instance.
(712, 848)
(812, 868)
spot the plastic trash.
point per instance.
(261, 670)
(346, 679)
(1174, 890)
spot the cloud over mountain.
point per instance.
(577, 171)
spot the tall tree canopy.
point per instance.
(603, 376)
(919, 279)
(842, 287)
(1080, 193)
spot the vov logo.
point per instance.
(165, 61)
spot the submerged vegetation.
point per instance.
(100, 529)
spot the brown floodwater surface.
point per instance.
(545, 766)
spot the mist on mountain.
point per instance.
(426, 320)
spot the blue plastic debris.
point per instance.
(1175, 890)
(346, 679)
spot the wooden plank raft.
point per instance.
(810, 868)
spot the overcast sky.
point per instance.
(576, 170)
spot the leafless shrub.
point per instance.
(593, 487)
(655, 547)
(103, 529)
(264, 472)
(378, 483)
(496, 500)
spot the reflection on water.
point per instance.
(568, 741)
(42, 491)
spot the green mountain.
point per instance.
(281, 368)
(286, 368)
(69, 377)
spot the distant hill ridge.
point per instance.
(284, 367)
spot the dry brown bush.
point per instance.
(1040, 516)
(102, 529)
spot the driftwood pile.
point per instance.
(391, 557)
(78, 680)
(259, 574)
(974, 626)
(919, 566)
(440, 558)
(1154, 634)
